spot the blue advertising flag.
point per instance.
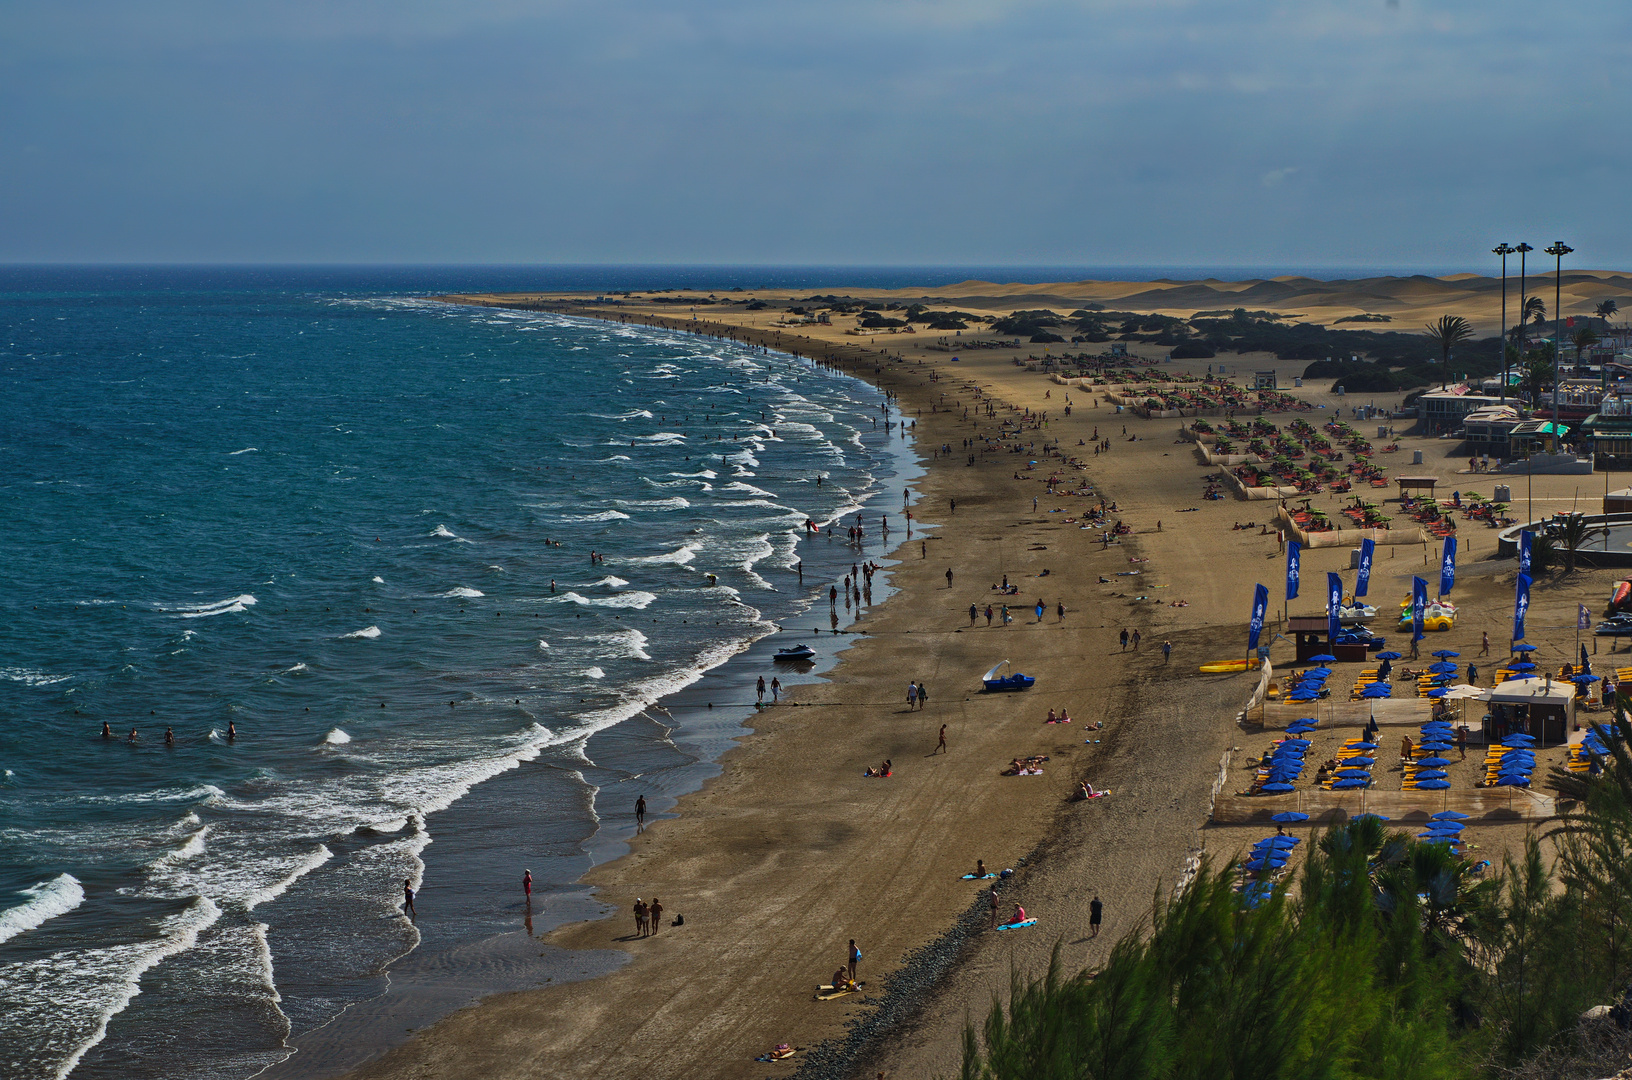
(1419, 602)
(1447, 567)
(1524, 552)
(1521, 604)
(1334, 600)
(1367, 549)
(1294, 551)
(1260, 604)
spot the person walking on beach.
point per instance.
(640, 814)
(988, 616)
(940, 747)
(760, 688)
(527, 884)
(640, 917)
(923, 695)
(1124, 640)
(974, 613)
(855, 958)
(1167, 651)
(1484, 645)
(1040, 608)
(654, 914)
(1060, 610)
(408, 900)
(949, 577)
(1136, 641)
(1473, 674)
(1096, 911)
(912, 696)
(776, 691)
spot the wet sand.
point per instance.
(790, 851)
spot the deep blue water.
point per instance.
(356, 526)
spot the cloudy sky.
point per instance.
(1399, 133)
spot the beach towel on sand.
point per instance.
(1017, 925)
(977, 877)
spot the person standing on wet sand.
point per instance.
(776, 691)
(527, 884)
(760, 688)
(640, 814)
(408, 900)
(995, 903)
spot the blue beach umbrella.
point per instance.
(1431, 774)
(1363, 746)
(1277, 787)
(1446, 826)
(1363, 817)
(1436, 747)
(1443, 653)
(1584, 679)
(1524, 665)
(1286, 817)
(1438, 693)
(1433, 762)
(1282, 842)
(1448, 815)
(1524, 647)
(1349, 782)
(1302, 695)
(1434, 785)
(1513, 781)
(1442, 669)
(1389, 655)
(1324, 658)
(1357, 762)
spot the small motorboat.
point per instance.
(1012, 681)
(796, 652)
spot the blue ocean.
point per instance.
(317, 550)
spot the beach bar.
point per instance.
(1542, 708)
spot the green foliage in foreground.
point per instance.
(1390, 959)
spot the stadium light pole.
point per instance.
(1557, 251)
(1523, 250)
(1504, 250)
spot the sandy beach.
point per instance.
(791, 851)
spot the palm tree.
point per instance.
(1447, 333)
(1585, 338)
(1533, 309)
(1538, 374)
(1574, 535)
(1606, 309)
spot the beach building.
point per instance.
(1445, 410)
(1577, 400)
(1488, 431)
(1609, 433)
(1533, 437)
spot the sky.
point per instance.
(1401, 133)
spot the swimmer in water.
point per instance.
(169, 737)
(107, 732)
(132, 734)
(232, 732)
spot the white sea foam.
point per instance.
(622, 644)
(367, 632)
(193, 848)
(542, 644)
(617, 457)
(31, 677)
(676, 503)
(662, 438)
(748, 489)
(199, 611)
(609, 581)
(637, 600)
(378, 580)
(680, 555)
(297, 667)
(460, 592)
(445, 533)
(245, 450)
(45, 901)
(292, 874)
(62, 1003)
(604, 515)
(594, 673)
(336, 737)
(706, 474)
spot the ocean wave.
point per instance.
(706, 474)
(446, 534)
(199, 611)
(367, 632)
(617, 457)
(336, 737)
(676, 503)
(623, 644)
(748, 489)
(245, 450)
(460, 592)
(377, 579)
(292, 670)
(637, 414)
(604, 515)
(542, 644)
(31, 677)
(44, 902)
(593, 673)
(63, 1002)
(609, 581)
(662, 438)
(680, 555)
(637, 600)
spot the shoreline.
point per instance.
(931, 937)
(706, 718)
